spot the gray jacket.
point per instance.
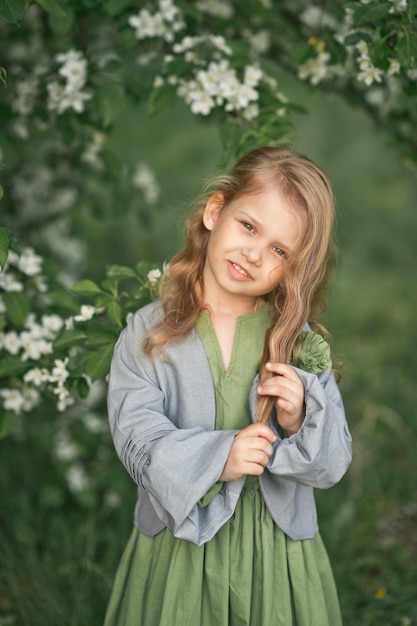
(162, 417)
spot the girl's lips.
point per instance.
(238, 271)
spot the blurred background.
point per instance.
(59, 547)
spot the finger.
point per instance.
(258, 430)
(253, 445)
(283, 370)
(282, 388)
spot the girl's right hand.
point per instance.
(250, 452)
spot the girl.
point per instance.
(225, 460)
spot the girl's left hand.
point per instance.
(288, 389)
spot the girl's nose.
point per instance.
(253, 255)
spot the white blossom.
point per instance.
(216, 8)
(34, 348)
(93, 149)
(65, 400)
(77, 478)
(59, 372)
(251, 112)
(55, 95)
(31, 399)
(87, 313)
(370, 74)
(260, 42)
(37, 376)
(11, 342)
(163, 23)
(376, 97)
(75, 72)
(112, 499)
(52, 325)
(13, 400)
(252, 75)
(201, 102)
(9, 282)
(316, 17)
(316, 68)
(74, 100)
(65, 449)
(26, 92)
(399, 6)
(94, 424)
(70, 94)
(144, 179)
(394, 67)
(154, 275)
(30, 263)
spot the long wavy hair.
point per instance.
(301, 295)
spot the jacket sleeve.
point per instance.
(319, 454)
(175, 466)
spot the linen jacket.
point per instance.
(162, 418)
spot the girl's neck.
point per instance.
(222, 309)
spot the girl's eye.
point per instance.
(248, 227)
(279, 251)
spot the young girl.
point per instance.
(226, 460)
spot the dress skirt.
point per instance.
(249, 574)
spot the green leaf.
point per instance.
(83, 388)
(8, 422)
(161, 98)
(109, 103)
(68, 338)
(356, 37)
(100, 334)
(115, 7)
(86, 288)
(4, 247)
(369, 13)
(144, 267)
(301, 53)
(65, 300)
(13, 243)
(120, 271)
(98, 363)
(12, 10)
(110, 284)
(1, 188)
(54, 8)
(77, 364)
(410, 10)
(11, 365)
(406, 50)
(17, 306)
(95, 341)
(114, 311)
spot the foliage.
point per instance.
(70, 69)
(47, 356)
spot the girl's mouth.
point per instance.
(237, 270)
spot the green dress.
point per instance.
(250, 573)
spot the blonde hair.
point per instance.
(301, 295)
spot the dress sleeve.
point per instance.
(319, 454)
(175, 466)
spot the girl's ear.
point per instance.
(212, 210)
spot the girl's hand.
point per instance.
(289, 392)
(250, 452)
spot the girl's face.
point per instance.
(251, 241)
